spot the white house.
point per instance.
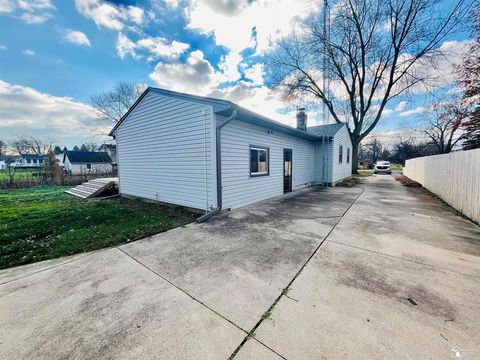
(86, 162)
(3, 165)
(30, 161)
(111, 150)
(59, 156)
(210, 154)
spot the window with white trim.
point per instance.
(340, 154)
(89, 166)
(259, 161)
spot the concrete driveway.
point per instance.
(371, 272)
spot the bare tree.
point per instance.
(11, 168)
(444, 127)
(113, 104)
(375, 148)
(3, 148)
(374, 51)
(469, 75)
(29, 144)
(410, 148)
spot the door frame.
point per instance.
(290, 188)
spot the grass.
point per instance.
(348, 182)
(20, 174)
(43, 223)
(363, 173)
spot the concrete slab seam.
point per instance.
(182, 290)
(251, 333)
(48, 268)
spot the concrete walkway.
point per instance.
(373, 273)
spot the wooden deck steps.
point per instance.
(93, 188)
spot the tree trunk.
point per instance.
(355, 147)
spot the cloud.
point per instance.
(243, 24)
(7, 6)
(255, 74)
(172, 3)
(29, 52)
(196, 76)
(262, 100)
(109, 15)
(3, 47)
(150, 47)
(417, 110)
(26, 110)
(401, 105)
(389, 138)
(30, 11)
(77, 38)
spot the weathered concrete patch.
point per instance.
(349, 303)
(107, 306)
(412, 225)
(238, 273)
(10, 274)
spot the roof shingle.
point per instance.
(88, 157)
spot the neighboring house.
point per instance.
(30, 161)
(111, 150)
(59, 156)
(3, 165)
(208, 154)
(86, 162)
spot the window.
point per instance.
(40, 161)
(89, 166)
(29, 161)
(259, 161)
(340, 154)
(348, 155)
(34, 161)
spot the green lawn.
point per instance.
(44, 223)
(20, 174)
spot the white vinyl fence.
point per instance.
(454, 177)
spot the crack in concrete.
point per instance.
(182, 290)
(195, 299)
(251, 333)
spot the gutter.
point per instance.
(218, 154)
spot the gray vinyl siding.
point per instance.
(323, 162)
(165, 152)
(343, 170)
(239, 189)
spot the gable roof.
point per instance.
(224, 108)
(108, 146)
(326, 130)
(87, 157)
(32, 156)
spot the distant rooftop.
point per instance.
(88, 157)
(32, 156)
(325, 130)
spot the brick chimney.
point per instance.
(301, 119)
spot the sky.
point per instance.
(56, 54)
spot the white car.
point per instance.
(382, 167)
